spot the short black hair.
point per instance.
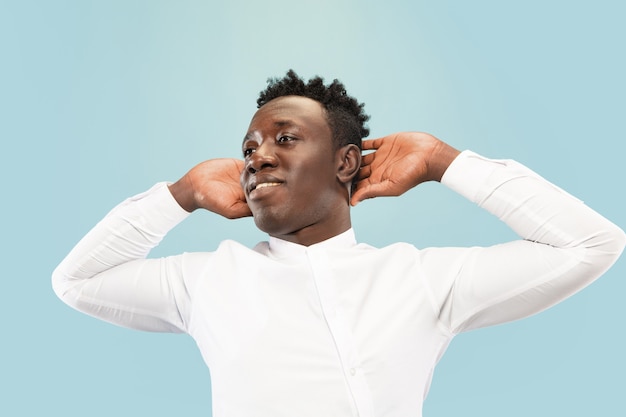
(345, 115)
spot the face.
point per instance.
(289, 176)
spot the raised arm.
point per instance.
(564, 244)
(105, 275)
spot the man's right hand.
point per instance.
(213, 185)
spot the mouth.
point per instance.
(264, 185)
(257, 185)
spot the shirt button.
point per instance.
(352, 371)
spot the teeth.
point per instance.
(267, 184)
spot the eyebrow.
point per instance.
(277, 123)
(283, 123)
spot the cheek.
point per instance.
(311, 179)
(316, 186)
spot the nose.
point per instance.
(263, 157)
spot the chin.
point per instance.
(271, 224)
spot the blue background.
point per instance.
(101, 99)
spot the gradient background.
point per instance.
(101, 99)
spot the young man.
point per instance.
(311, 323)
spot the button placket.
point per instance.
(340, 332)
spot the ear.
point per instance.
(348, 163)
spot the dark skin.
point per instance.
(294, 178)
(305, 196)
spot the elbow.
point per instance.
(620, 242)
(61, 283)
(607, 245)
(615, 239)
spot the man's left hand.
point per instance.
(401, 161)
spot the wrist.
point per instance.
(182, 191)
(441, 158)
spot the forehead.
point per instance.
(301, 112)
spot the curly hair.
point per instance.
(345, 115)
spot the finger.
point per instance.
(361, 193)
(238, 167)
(240, 210)
(371, 144)
(368, 159)
(364, 172)
(356, 198)
(367, 190)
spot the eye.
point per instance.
(247, 152)
(284, 139)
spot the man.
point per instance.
(312, 323)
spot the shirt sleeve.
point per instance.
(564, 247)
(107, 276)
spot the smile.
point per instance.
(266, 184)
(265, 181)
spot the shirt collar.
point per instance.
(281, 248)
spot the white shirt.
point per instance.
(338, 328)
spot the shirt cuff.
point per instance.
(157, 207)
(468, 174)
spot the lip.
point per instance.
(255, 181)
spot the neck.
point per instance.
(316, 233)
